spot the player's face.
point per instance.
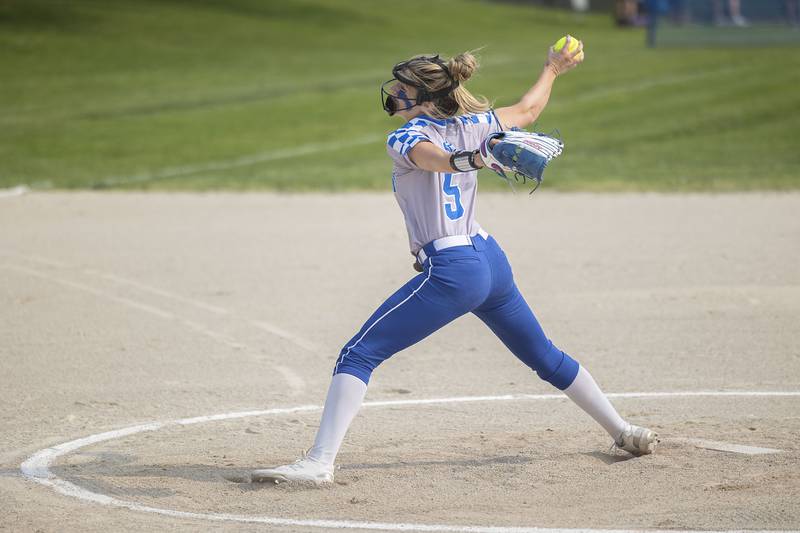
(405, 93)
(404, 101)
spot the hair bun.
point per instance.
(462, 66)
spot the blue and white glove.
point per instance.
(520, 153)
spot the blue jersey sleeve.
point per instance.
(403, 139)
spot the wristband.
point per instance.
(464, 161)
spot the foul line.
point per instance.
(294, 381)
(728, 447)
(161, 313)
(225, 164)
(301, 342)
(155, 290)
(283, 334)
(292, 378)
(37, 467)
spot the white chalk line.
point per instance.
(147, 308)
(237, 162)
(91, 290)
(728, 447)
(282, 333)
(294, 381)
(37, 467)
(119, 280)
(292, 378)
(259, 324)
(297, 340)
(36, 259)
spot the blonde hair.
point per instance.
(433, 77)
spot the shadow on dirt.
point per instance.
(609, 458)
(505, 459)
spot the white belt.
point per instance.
(449, 242)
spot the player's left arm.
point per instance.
(527, 110)
(430, 157)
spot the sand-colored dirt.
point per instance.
(123, 308)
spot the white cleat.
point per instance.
(637, 440)
(305, 470)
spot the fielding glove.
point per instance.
(521, 153)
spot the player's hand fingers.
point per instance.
(575, 57)
(562, 60)
(565, 49)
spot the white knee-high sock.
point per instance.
(585, 392)
(345, 396)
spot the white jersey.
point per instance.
(437, 204)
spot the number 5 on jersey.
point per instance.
(452, 207)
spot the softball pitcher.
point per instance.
(436, 155)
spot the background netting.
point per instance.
(718, 22)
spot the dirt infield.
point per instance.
(119, 309)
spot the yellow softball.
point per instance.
(573, 45)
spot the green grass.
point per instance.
(145, 93)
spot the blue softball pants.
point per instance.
(456, 281)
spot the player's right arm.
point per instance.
(530, 106)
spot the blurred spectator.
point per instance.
(722, 12)
(626, 12)
(792, 12)
(580, 5)
(680, 12)
(734, 10)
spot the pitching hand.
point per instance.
(563, 60)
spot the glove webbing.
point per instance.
(522, 177)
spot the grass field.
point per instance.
(246, 94)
